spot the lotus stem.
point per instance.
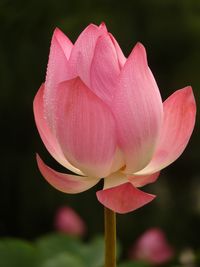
(110, 237)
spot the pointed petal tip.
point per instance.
(56, 33)
(103, 26)
(90, 26)
(123, 198)
(187, 96)
(140, 51)
(188, 93)
(140, 45)
(56, 30)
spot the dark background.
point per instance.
(170, 31)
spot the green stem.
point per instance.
(110, 237)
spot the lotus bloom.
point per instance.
(101, 115)
(152, 247)
(69, 222)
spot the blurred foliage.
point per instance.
(170, 30)
(59, 250)
(134, 264)
(53, 250)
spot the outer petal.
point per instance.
(120, 55)
(178, 124)
(123, 198)
(85, 128)
(104, 69)
(82, 53)
(139, 181)
(66, 183)
(138, 110)
(48, 138)
(57, 71)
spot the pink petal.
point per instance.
(178, 124)
(138, 110)
(104, 69)
(66, 183)
(64, 42)
(46, 135)
(57, 71)
(139, 181)
(120, 55)
(123, 198)
(85, 129)
(82, 53)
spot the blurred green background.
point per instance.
(170, 31)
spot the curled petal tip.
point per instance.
(124, 198)
(66, 183)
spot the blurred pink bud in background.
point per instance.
(69, 222)
(152, 247)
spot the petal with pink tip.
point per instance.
(46, 135)
(82, 52)
(139, 181)
(66, 183)
(124, 198)
(120, 55)
(178, 124)
(57, 71)
(104, 69)
(85, 129)
(138, 110)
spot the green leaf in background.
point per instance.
(17, 253)
(63, 260)
(134, 264)
(93, 253)
(53, 244)
(58, 248)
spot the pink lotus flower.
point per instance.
(152, 247)
(100, 114)
(69, 222)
